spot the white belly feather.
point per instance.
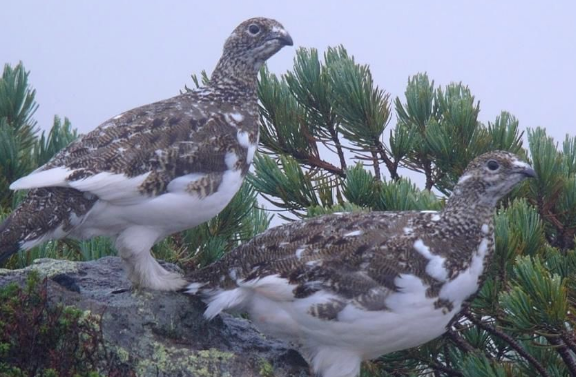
(168, 213)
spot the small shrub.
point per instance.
(42, 340)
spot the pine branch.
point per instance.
(508, 339)
(338, 145)
(564, 354)
(316, 162)
(428, 173)
(392, 166)
(376, 166)
(569, 341)
(437, 367)
(459, 341)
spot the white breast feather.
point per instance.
(231, 159)
(179, 184)
(173, 211)
(250, 154)
(244, 139)
(466, 283)
(435, 266)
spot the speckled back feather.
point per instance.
(353, 286)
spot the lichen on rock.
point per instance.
(152, 333)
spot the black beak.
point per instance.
(520, 167)
(529, 172)
(287, 40)
(284, 38)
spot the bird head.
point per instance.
(491, 176)
(252, 43)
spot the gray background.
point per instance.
(91, 60)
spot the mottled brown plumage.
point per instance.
(154, 170)
(353, 286)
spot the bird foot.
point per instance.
(148, 273)
(166, 281)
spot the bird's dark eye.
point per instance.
(493, 165)
(254, 29)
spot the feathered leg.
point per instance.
(133, 246)
(334, 362)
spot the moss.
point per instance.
(211, 357)
(123, 355)
(46, 267)
(50, 267)
(205, 363)
(266, 369)
(87, 314)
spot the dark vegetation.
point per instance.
(42, 340)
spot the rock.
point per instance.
(162, 333)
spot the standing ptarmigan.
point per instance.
(350, 287)
(154, 170)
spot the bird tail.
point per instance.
(39, 215)
(9, 239)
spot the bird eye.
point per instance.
(493, 165)
(254, 29)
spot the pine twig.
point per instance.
(569, 341)
(508, 339)
(459, 341)
(392, 167)
(564, 354)
(448, 371)
(442, 368)
(428, 173)
(376, 166)
(316, 162)
(338, 146)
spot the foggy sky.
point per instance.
(91, 60)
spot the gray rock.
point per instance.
(162, 333)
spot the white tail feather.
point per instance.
(272, 287)
(193, 288)
(224, 300)
(45, 178)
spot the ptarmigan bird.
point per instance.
(154, 170)
(350, 287)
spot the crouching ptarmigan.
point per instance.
(154, 170)
(354, 286)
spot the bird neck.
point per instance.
(235, 74)
(468, 208)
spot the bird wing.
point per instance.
(349, 258)
(139, 153)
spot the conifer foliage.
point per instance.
(327, 145)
